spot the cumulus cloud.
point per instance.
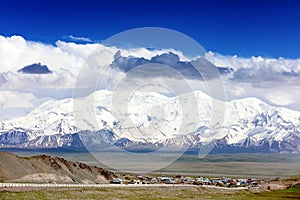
(81, 51)
(9, 99)
(274, 80)
(16, 52)
(281, 98)
(58, 79)
(258, 69)
(193, 69)
(15, 103)
(64, 59)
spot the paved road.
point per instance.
(35, 185)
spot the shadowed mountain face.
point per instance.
(46, 169)
(36, 68)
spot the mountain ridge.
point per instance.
(45, 168)
(248, 124)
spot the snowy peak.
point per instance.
(155, 119)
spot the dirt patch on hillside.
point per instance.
(47, 169)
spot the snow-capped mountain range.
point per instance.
(153, 121)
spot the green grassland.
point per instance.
(150, 193)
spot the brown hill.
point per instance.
(47, 169)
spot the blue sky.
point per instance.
(246, 28)
(258, 32)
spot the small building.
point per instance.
(154, 180)
(116, 181)
(169, 181)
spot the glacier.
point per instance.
(153, 121)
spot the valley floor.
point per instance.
(146, 193)
(243, 165)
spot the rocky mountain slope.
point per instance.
(46, 169)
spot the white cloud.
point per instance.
(280, 98)
(236, 90)
(80, 39)
(258, 68)
(273, 80)
(16, 52)
(15, 104)
(147, 54)
(81, 51)
(18, 81)
(12, 99)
